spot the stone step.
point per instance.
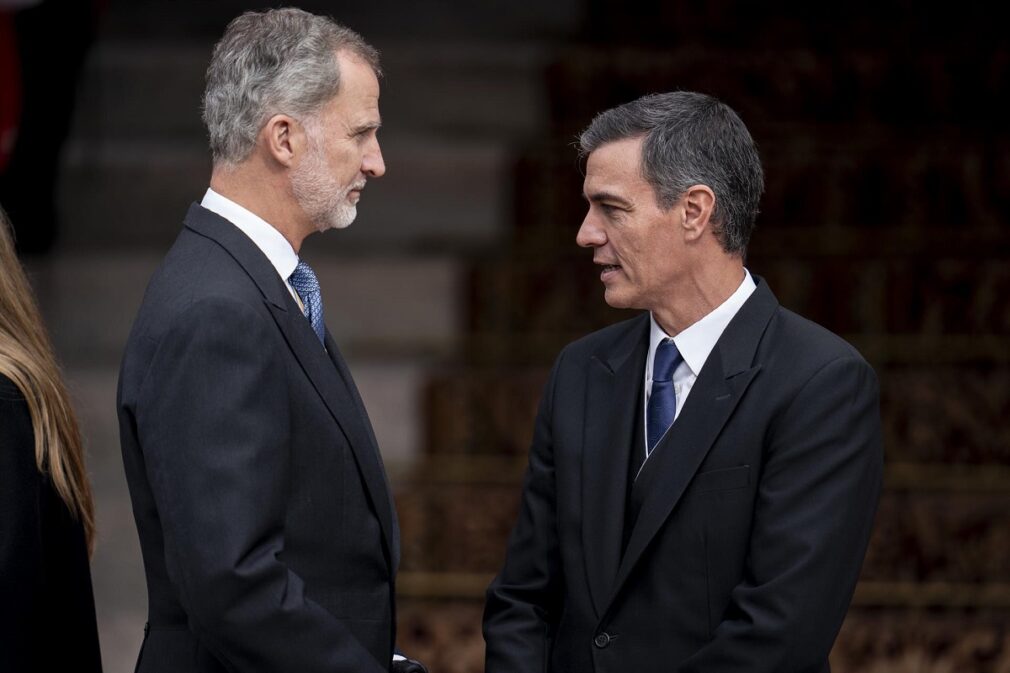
(436, 196)
(377, 21)
(454, 116)
(137, 90)
(133, 90)
(117, 570)
(376, 307)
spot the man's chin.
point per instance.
(340, 219)
(616, 299)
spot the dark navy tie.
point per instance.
(663, 399)
(304, 280)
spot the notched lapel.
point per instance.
(722, 383)
(680, 453)
(338, 394)
(374, 470)
(612, 392)
(329, 377)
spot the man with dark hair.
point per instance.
(269, 535)
(703, 477)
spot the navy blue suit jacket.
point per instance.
(268, 532)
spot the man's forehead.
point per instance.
(617, 154)
(357, 100)
(356, 68)
(612, 164)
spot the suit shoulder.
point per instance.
(199, 290)
(196, 270)
(803, 343)
(199, 266)
(601, 340)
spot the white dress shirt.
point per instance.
(270, 241)
(694, 343)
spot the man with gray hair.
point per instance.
(703, 477)
(268, 531)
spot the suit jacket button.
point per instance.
(601, 640)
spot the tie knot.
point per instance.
(303, 279)
(665, 361)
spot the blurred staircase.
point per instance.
(885, 219)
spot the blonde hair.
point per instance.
(26, 358)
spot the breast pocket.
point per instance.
(725, 479)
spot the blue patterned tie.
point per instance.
(663, 398)
(304, 280)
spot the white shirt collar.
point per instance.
(270, 241)
(697, 341)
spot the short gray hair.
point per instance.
(281, 61)
(690, 139)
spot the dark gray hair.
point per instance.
(690, 139)
(281, 61)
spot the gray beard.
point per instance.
(320, 197)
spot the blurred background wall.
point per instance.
(883, 130)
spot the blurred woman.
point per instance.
(47, 524)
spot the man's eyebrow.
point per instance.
(599, 196)
(368, 126)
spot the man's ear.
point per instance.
(283, 138)
(698, 203)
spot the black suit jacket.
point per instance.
(756, 513)
(268, 532)
(47, 610)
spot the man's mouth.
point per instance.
(609, 271)
(355, 192)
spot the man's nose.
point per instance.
(372, 163)
(591, 234)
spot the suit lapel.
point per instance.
(614, 383)
(721, 384)
(333, 382)
(329, 377)
(370, 462)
